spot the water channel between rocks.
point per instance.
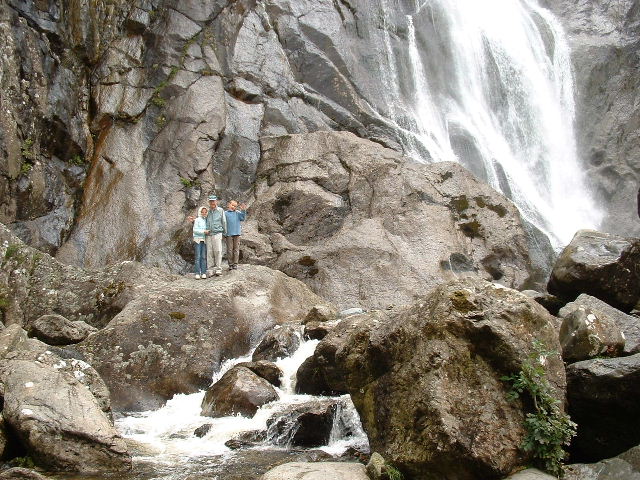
(164, 446)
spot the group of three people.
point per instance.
(210, 225)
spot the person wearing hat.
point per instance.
(216, 227)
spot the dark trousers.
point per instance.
(233, 249)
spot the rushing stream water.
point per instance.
(166, 447)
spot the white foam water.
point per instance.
(167, 435)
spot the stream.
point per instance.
(164, 446)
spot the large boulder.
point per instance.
(59, 421)
(361, 225)
(190, 327)
(57, 330)
(238, 392)
(585, 334)
(601, 265)
(629, 325)
(603, 400)
(313, 471)
(426, 380)
(18, 473)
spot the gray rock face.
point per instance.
(410, 375)
(239, 391)
(312, 471)
(531, 474)
(278, 343)
(361, 225)
(584, 334)
(625, 466)
(57, 330)
(602, 396)
(605, 38)
(601, 265)
(158, 104)
(628, 324)
(190, 326)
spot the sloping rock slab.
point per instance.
(59, 421)
(317, 471)
(426, 380)
(239, 391)
(628, 324)
(265, 369)
(362, 225)
(17, 473)
(603, 400)
(171, 339)
(601, 265)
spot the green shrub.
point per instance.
(548, 428)
(393, 473)
(25, 149)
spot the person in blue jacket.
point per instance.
(199, 238)
(235, 215)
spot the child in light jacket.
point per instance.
(199, 238)
(234, 215)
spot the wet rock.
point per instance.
(625, 466)
(278, 343)
(191, 327)
(59, 421)
(585, 334)
(327, 203)
(319, 314)
(307, 425)
(202, 430)
(602, 396)
(310, 471)
(462, 337)
(601, 265)
(265, 369)
(57, 330)
(17, 473)
(239, 391)
(628, 324)
(375, 466)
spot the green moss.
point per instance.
(11, 251)
(161, 121)
(471, 229)
(158, 101)
(4, 302)
(460, 203)
(461, 302)
(77, 160)
(23, 462)
(177, 315)
(189, 183)
(26, 150)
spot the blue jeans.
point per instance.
(201, 258)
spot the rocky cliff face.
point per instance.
(605, 40)
(118, 117)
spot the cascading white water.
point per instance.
(167, 434)
(489, 84)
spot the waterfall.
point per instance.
(489, 84)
